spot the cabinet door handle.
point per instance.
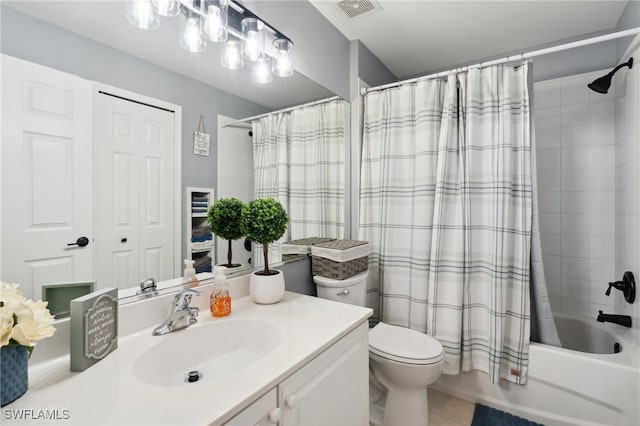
(274, 415)
(291, 401)
(344, 292)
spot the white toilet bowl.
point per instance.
(405, 362)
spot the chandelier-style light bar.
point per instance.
(242, 34)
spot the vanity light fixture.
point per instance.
(244, 36)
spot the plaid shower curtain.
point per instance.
(446, 203)
(299, 161)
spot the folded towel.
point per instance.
(200, 238)
(208, 268)
(203, 246)
(196, 198)
(200, 204)
(201, 262)
(200, 231)
(199, 210)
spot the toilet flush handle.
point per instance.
(344, 292)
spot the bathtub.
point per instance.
(566, 386)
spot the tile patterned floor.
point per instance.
(446, 410)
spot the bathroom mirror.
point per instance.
(64, 35)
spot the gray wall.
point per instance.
(321, 51)
(630, 19)
(371, 69)
(33, 40)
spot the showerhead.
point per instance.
(602, 84)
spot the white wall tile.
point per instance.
(547, 160)
(575, 245)
(575, 290)
(602, 133)
(578, 114)
(601, 157)
(548, 138)
(576, 224)
(550, 244)
(549, 202)
(575, 267)
(550, 223)
(549, 180)
(574, 201)
(575, 136)
(601, 179)
(574, 91)
(574, 180)
(597, 294)
(602, 225)
(601, 270)
(602, 110)
(602, 248)
(548, 118)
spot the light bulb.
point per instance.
(283, 65)
(167, 7)
(191, 37)
(262, 70)
(253, 35)
(142, 15)
(232, 56)
(215, 24)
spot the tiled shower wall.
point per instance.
(575, 146)
(627, 161)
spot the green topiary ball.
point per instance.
(264, 220)
(224, 218)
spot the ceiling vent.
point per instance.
(357, 8)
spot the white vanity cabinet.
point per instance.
(331, 389)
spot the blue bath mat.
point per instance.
(487, 416)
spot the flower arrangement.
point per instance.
(23, 322)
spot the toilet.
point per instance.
(403, 361)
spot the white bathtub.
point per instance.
(565, 387)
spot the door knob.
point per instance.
(291, 402)
(80, 242)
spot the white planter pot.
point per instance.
(267, 289)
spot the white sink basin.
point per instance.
(213, 350)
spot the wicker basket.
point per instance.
(302, 247)
(340, 269)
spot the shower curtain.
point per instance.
(446, 203)
(299, 161)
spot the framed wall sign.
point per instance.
(94, 327)
(201, 140)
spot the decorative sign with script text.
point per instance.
(94, 327)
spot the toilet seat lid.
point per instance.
(404, 345)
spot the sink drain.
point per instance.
(193, 376)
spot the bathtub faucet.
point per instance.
(624, 320)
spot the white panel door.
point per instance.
(47, 186)
(136, 182)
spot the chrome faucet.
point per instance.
(148, 286)
(182, 315)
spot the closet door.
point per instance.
(136, 186)
(47, 184)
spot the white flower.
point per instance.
(23, 321)
(6, 325)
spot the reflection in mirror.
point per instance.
(296, 156)
(55, 35)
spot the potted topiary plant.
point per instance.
(224, 220)
(264, 221)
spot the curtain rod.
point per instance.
(521, 56)
(255, 117)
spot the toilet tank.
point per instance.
(352, 290)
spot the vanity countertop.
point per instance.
(108, 393)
